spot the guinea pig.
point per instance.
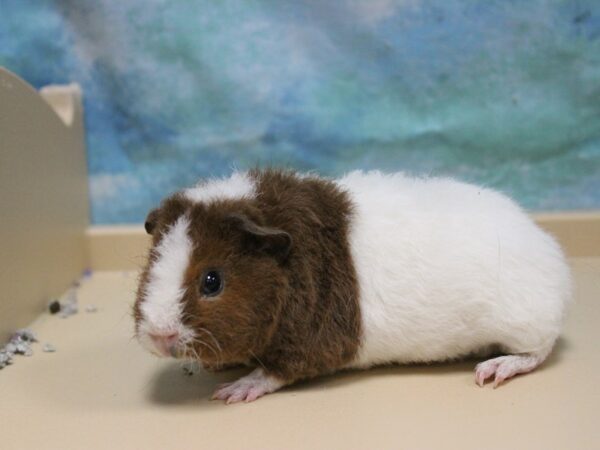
(298, 276)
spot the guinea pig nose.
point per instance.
(165, 341)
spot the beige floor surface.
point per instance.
(101, 390)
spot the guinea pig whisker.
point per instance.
(213, 338)
(207, 345)
(258, 359)
(191, 355)
(195, 355)
(220, 358)
(216, 348)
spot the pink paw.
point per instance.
(505, 367)
(247, 388)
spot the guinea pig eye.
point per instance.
(211, 283)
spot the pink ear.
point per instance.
(273, 240)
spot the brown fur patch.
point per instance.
(293, 310)
(319, 328)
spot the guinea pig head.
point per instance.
(214, 283)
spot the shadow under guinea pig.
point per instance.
(350, 376)
(466, 366)
(556, 355)
(172, 386)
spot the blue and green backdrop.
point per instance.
(500, 92)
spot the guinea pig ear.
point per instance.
(151, 219)
(273, 240)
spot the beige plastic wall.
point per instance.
(43, 197)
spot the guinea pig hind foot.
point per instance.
(254, 385)
(505, 367)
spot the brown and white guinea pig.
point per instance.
(299, 276)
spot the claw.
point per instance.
(248, 388)
(505, 367)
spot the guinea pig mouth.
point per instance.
(173, 351)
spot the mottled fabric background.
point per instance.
(499, 92)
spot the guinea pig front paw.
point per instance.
(248, 388)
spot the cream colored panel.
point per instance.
(578, 232)
(43, 198)
(117, 247)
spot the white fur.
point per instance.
(161, 308)
(238, 185)
(446, 269)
